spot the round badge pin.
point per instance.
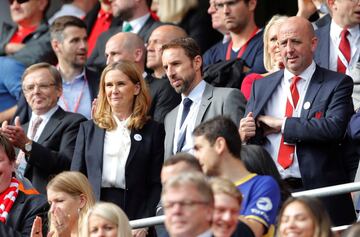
(137, 137)
(307, 105)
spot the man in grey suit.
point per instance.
(182, 62)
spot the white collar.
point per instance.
(305, 75)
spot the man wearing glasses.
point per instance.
(188, 204)
(47, 142)
(21, 45)
(246, 38)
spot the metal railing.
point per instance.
(319, 192)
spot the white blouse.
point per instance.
(117, 145)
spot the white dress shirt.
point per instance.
(137, 24)
(117, 145)
(189, 123)
(354, 40)
(276, 107)
(45, 119)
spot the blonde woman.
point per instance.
(106, 219)
(121, 150)
(70, 197)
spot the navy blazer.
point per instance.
(53, 151)
(22, 215)
(317, 133)
(142, 170)
(322, 52)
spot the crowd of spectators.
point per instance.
(116, 110)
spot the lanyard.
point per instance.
(243, 48)
(77, 104)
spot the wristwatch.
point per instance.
(28, 147)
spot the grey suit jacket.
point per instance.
(215, 101)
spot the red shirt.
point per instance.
(20, 34)
(102, 24)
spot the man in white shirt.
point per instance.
(47, 142)
(300, 115)
(188, 204)
(339, 41)
(182, 62)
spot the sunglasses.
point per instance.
(18, 1)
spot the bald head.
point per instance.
(125, 46)
(297, 43)
(160, 36)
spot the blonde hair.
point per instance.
(112, 213)
(103, 113)
(75, 184)
(174, 10)
(224, 186)
(275, 20)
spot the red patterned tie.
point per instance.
(344, 47)
(286, 152)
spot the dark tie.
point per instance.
(344, 48)
(286, 151)
(127, 27)
(186, 108)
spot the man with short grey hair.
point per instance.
(188, 203)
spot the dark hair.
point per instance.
(189, 45)
(258, 160)
(60, 24)
(187, 158)
(317, 211)
(8, 148)
(224, 127)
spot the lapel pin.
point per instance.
(307, 105)
(137, 137)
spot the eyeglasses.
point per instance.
(183, 204)
(230, 3)
(18, 1)
(41, 86)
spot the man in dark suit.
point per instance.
(47, 142)
(182, 62)
(80, 84)
(342, 29)
(136, 19)
(129, 46)
(300, 115)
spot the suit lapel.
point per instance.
(205, 102)
(171, 132)
(323, 49)
(51, 125)
(136, 140)
(143, 33)
(314, 86)
(93, 82)
(266, 93)
(98, 150)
